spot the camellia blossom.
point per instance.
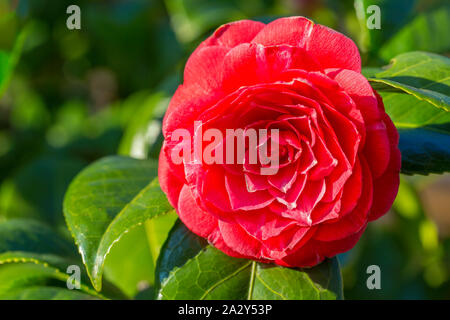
(338, 163)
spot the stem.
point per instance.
(252, 281)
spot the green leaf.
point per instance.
(424, 75)
(207, 273)
(181, 245)
(415, 91)
(157, 231)
(427, 31)
(8, 60)
(425, 150)
(129, 264)
(137, 273)
(13, 276)
(42, 258)
(143, 132)
(322, 282)
(29, 236)
(393, 15)
(141, 248)
(45, 293)
(19, 277)
(37, 190)
(30, 242)
(105, 201)
(369, 72)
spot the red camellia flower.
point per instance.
(338, 162)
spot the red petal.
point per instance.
(359, 89)
(204, 68)
(314, 252)
(294, 237)
(333, 50)
(352, 190)
(284, 178)
(168, 181)
(346, 131)
(198, 221)
(235, 237)
(307, 158)
(311, 195)
(386, 186)
(241, 199)
(185, 105)
(213, 190)
(217, 240)
(307, 255)
(325, 160)
(290, 198)
(354, 221)
(255, 182)
(377, 148)
(331, 248)
(262, 224)
(250, 64)
(232, 34)
(325, 211)
(294, 31)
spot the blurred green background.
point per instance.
(77, 95)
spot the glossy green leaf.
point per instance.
(322, 282)
(425, 150)
(33, 237)
(415, 91)
(424, 75)
(427, 31)
(181, 245)
(369, 72)
(37, 190)
(17, 277)
(207, 273)
(157, 231)
(45, 293)
(14, 276)
(106, 200)
(44, 252)
(129, 264)
(141, 247)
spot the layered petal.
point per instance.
(294, 88)
(232, 34)
(197, 220)
(332, 49)
(386, 186)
